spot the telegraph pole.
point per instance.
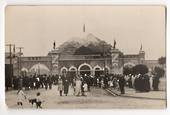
(10, 62)
(19, 59)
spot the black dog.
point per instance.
(32, 101)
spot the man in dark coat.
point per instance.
(82, 88)
(122, 83)
(50, 82)
(66, 84)
(155, 83)
(46, 82)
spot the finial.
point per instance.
(114, 46)
(54, 45)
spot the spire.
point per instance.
(84, 28)
(141, 47)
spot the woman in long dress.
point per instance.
(60, 86)
(78, 86)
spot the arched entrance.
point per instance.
(85, 69)
(72, 73)
(63, 70)
(24, 71)
(129, 64)
(39, 69)
(97, 71)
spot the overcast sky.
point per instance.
(36, 27)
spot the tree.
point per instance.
(159, 71)
(162, 60)
(140, 69)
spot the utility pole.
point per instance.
(10, 62)
(19, 59)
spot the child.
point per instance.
(85, 86)
(20, 97)
(38, 100)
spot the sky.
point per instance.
(36, 27)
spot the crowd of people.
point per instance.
(81, 84)
(34, 81)
(138, 82)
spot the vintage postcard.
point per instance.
(85, 56)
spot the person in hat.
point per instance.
(65, 84)
(122, 83)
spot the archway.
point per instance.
(63, 70)
(72, 73)
(85, 69)
(39, 69)
(24, 71)
(129, 64)
(97, 71)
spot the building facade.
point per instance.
(57, 62)
(94, 64)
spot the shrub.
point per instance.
(140, 69)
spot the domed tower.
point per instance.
(115, 58)
(54, 53)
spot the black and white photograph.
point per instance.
(85, 57)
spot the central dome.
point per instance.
(87, 45)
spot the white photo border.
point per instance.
(3, 4)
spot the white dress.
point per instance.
(151, 81)
(133, 81)
(21, 96)
(78, 86)
(85, 86)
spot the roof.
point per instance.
(79, 57)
